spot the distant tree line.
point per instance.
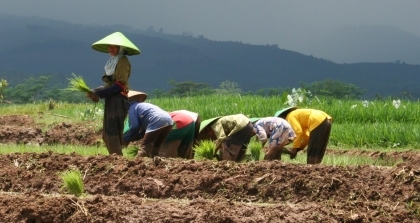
(35, 89)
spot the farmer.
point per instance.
(231, 133)
(312, 128)
(117, 73)
(197, 122)
(180, 139)
(276, 131)
(150, 123)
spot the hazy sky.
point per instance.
(286, 23)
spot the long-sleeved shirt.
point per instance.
(117, 82)
(145, 117)
(228, 125)
(278, 129)
(121, 74)
(303, 121)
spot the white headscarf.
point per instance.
(112, 62)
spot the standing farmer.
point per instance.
(232, 134)
(312, 128)
(115, 90)
(276, 131)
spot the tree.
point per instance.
(58, 94)
(188, 88)
(30, 90)
(158, 93)
(334, 88)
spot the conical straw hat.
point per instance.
(207, 122)
(288, 109)
(137, 96)
(119, 39)
(253, 120)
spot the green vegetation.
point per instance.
(368, 124)
(77, 83)
(3, 85)
(38, 89)
(334, 89)
(254, 151)
(64, 149)
(385, 124)
(204, 151)
(131, 151)
(72, 182)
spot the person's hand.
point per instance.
(92, 96)
(293, 152)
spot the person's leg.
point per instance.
(278, 140)
(318, 141)
(273, 153)
(147, 145)
(170, 149)
(196, 130)
(326, 137)
(234, 147)
(185, 147)
(163, 133)
(113, 125)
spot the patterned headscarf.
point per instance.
(112, 62)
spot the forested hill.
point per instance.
(32, 46)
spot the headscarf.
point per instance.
(112, 62)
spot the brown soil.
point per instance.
(118, 189)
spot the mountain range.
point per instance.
(33, 46)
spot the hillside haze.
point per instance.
(33, 46)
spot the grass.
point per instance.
(63, 149)
(72, 182)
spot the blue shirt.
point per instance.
(145, 117)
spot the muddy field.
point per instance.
(174, 190)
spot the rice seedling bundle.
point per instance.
(205, 150)
(77, 83)
(72, 181)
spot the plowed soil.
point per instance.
(118, 189)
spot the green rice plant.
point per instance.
(205, 150)
(344, 160)
(131, 151)
(254, 151)
(384, 135)
(77, 83)
(62, 149)
(72, 182)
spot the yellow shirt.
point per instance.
(303, 121)
(228, 125)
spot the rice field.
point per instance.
(366, 124)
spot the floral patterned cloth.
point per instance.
(275, 130)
